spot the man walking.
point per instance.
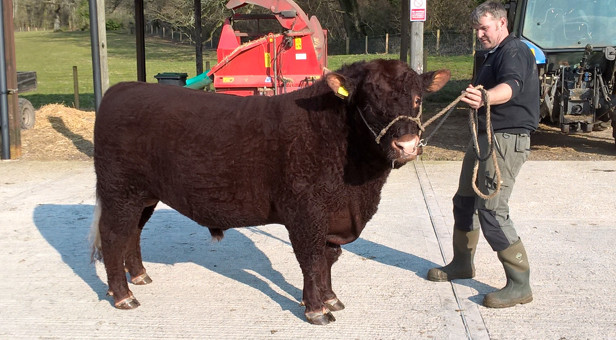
(509, 74)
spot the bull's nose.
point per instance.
(407, 145)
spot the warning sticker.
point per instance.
(298, 43)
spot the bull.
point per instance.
(314, 160)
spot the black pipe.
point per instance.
(96, 58)
(4, 102)
(140, 37)
(198, 40)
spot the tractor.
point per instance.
(574, 43)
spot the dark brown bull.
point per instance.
(314, 160)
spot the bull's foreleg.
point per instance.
(332, 252)
(133, 261)
(116, 231)
(309, 250)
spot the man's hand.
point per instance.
(473, 97)
(499, 94)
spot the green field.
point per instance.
(53, 54)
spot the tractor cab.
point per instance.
(574, 43)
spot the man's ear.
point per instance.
(435, 80)
(339, 84)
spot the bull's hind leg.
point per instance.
(133, 261)
(331, 301)
(118, 226)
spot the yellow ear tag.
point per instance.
(342, 92)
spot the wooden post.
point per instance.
(347, 45)
(438, 40)
(76, 87)
(387, 43)
(474, 41)
(13, 126)
(404, 29)
(366, 45)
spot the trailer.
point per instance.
(26, 81)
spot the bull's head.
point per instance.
(387, 96)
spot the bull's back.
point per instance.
(210, 156)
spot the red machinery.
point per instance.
(273, 63)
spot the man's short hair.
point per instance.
(494, 8)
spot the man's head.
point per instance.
(490, 21)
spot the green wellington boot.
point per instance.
(517, 290)
(462, 266)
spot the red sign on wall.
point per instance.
(418, 10)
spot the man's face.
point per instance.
(491, 31)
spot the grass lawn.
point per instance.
(63, 50)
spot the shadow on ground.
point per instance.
(66, 228)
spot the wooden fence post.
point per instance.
(387, 43)
(76, 87)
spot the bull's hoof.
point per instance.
(128, 303)
(334, 305)
(142, 279)
(320, 318)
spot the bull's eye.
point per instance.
(418, 101)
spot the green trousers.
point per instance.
(512, 150)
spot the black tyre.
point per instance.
(564, 128)
(588, 127)
(614, 128)
(26, 112)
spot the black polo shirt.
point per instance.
(512, 63)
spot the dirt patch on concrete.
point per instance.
(63, 133)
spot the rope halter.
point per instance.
(377, 137)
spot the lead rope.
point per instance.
(474, 132)
(473, 117)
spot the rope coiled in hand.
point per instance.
(473, 118)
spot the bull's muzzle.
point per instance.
(407, 148)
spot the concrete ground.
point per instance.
(249, 285)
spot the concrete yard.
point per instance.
(249, 285)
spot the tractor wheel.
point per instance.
(564, 128)
(26, 112)
(614, 129)
(588, 127)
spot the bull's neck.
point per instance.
(365, 161)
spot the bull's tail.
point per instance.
(95, 234)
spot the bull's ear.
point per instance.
(435, 80)
(338, 83)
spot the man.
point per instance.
(509, 74)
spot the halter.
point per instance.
(377, 137)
